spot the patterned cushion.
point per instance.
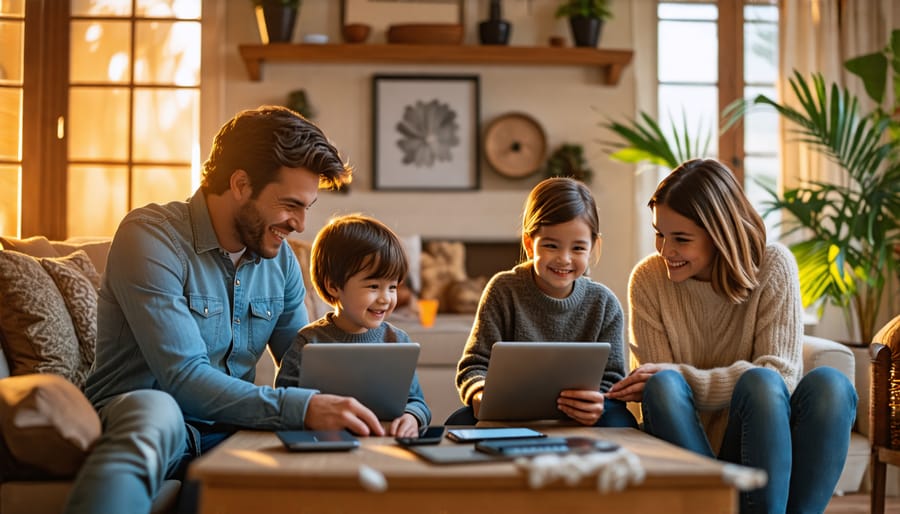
(39, 335)
(75, 277)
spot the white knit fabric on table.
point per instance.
(614, 470)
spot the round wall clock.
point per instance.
(515, 145)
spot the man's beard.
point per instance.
(252, 229)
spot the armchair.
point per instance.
(884, 408)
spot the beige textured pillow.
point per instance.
(315, 306)
(73, 275)
(39, 336)
(47, 423)
(36, 246)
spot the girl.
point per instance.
(548, 298)
(356, 265)
(716, 330)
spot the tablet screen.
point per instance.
(463, 435)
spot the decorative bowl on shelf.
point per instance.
(356, 32)
(426, 33)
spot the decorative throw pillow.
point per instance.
(36, 246)
(72, 275)
(315, 306)
(38, 334)
(47, 423)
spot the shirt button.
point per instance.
(206, 310)
(237, 321)
(269, 313)
(237, 282)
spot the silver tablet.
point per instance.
(524, 379)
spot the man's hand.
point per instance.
(332, 412)
(631, 388)
(583, 405)
(405, 426)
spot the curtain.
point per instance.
(818, 36)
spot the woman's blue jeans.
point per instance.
(799, 439)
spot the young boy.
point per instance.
(356, 265)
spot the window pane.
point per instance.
(9, 200)
(104, 8)
(184, 9)
(167, 53)
(677, 11)
(160, 185)
(11, 55)
(98, 124)
(764, 172)
(13, 7)
(760, 53)
(165, 124)
(100, 52)
(761, 125)
(677, 40)
(762, 12)
(98, 196)
(11, 121)
(698, 105)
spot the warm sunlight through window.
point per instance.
(134, 108)
(12, 26)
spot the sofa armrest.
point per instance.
(818, 352)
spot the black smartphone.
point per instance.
(317, 440)
(430, 435)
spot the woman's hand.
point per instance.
(583, 405)
(476, 402)
(405, 426)
(631, 388)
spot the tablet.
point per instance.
(524, 379)
(317, 440)
(376, 374)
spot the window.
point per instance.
(12, 30)
(111, 111)
(710, 54)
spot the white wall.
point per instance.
(570, 103)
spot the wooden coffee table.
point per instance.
(252, 472)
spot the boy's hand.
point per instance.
(583, 405)
(332, 412)
(405, 426)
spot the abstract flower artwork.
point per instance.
(425, 132)
(429, 132)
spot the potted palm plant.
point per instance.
(849, 229)
(585, 19)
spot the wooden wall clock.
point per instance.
(515, 145)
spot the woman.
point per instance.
(716, 330)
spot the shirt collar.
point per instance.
(204, 234)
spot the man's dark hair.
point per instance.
(263, 140)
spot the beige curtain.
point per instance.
(818, 36)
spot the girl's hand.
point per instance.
(405, 426)
(631, 388)
(583, 405)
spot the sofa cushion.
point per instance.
(47, 423)
(37, 246)
(38, 333)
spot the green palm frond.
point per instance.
(642, 140)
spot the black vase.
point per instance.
(279, 22)
(585, 31)
(494, 30)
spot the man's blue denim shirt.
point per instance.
(175, 315)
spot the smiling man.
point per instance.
(193, 294)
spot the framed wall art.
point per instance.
(425, 132)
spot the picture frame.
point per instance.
(425, 132)
(379, 14)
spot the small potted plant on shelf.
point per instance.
(585, 19)
(276, 19)
(568, 161)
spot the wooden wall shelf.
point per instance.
(611, 62)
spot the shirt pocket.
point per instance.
(264, 314)
(207, 312)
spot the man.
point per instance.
(193, 294)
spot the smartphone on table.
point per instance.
(469, 435)
(429, 435)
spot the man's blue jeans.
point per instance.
(799, 439)
(145, 441)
